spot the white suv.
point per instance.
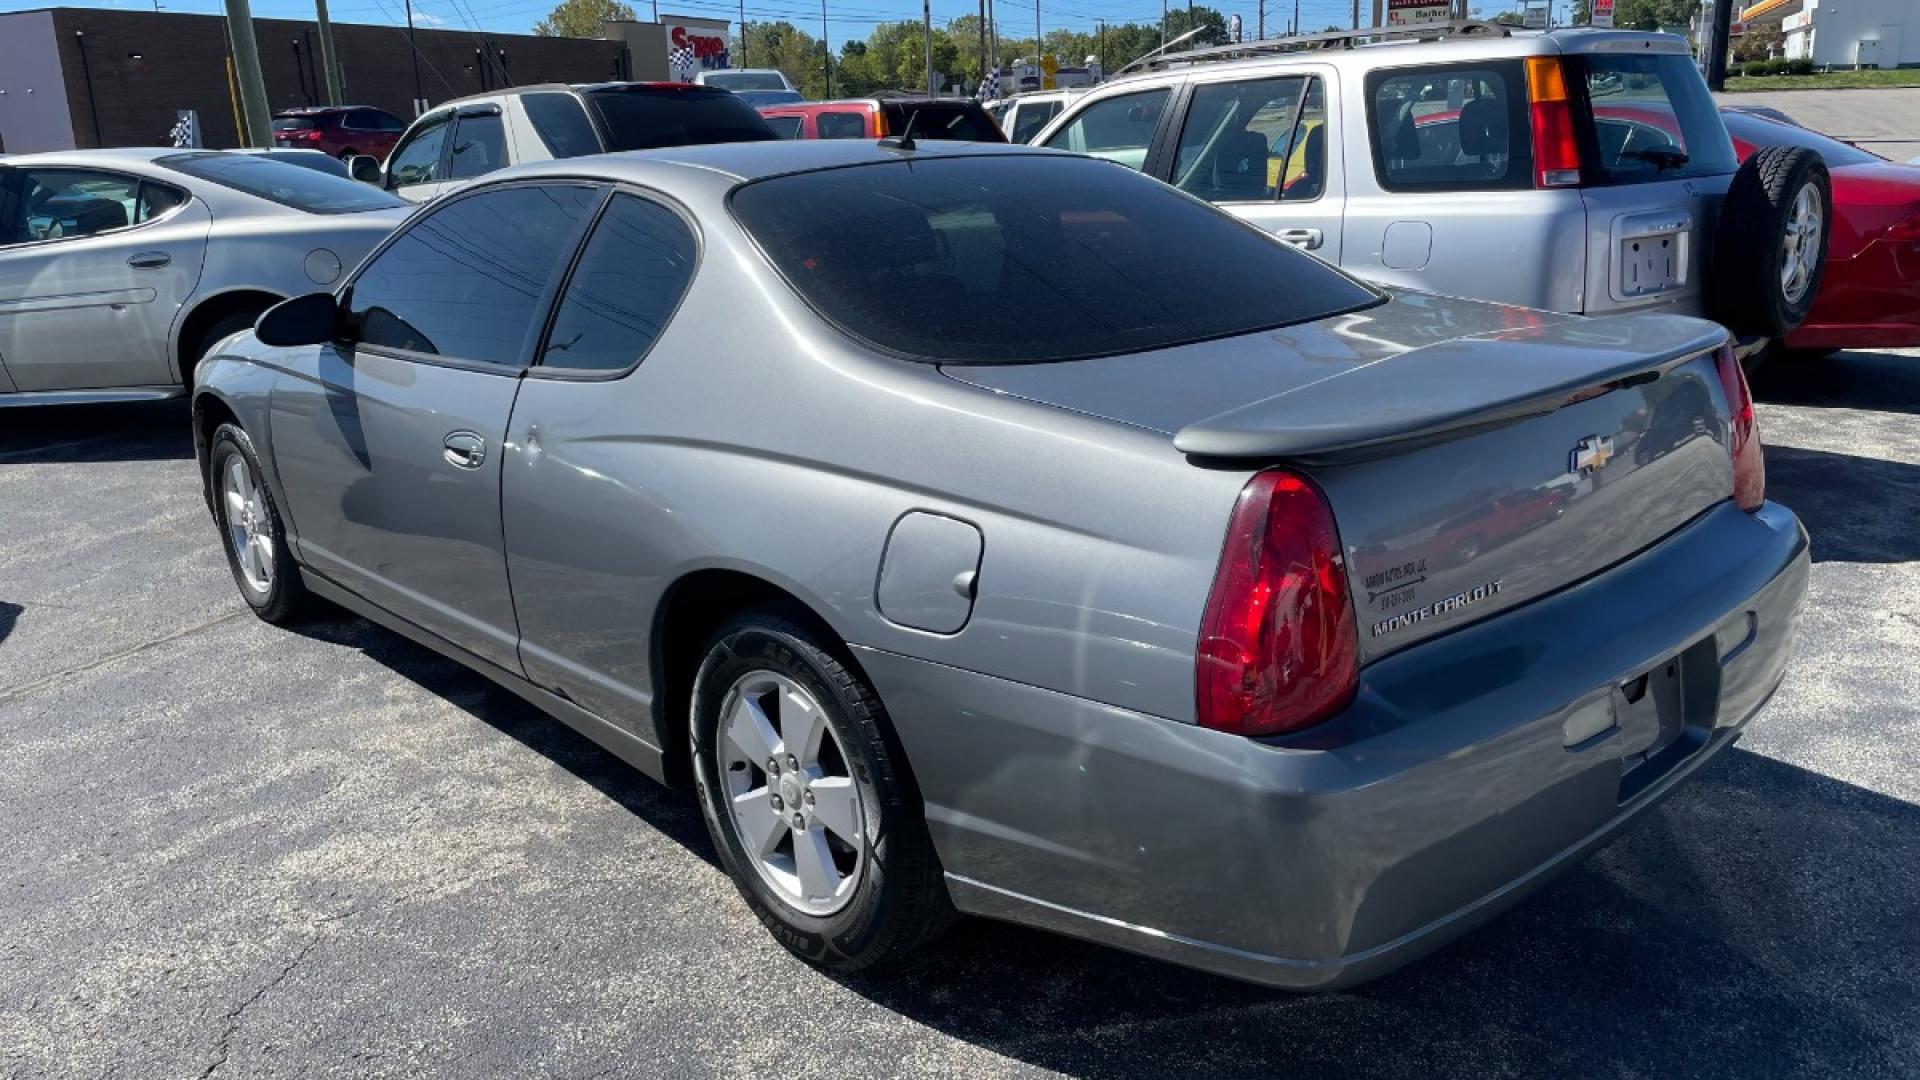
(1583, 171)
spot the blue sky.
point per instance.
(854, 18)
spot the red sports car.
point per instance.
(1870, 296)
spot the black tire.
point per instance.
(285, 598)
(228, 324)
(1750, 246)
(900, 900)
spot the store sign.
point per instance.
(1414, 12)
(1602, 13)
(708, 45)
(1534, 18)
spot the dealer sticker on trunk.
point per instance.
(1438, 607)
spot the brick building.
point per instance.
(81, 77)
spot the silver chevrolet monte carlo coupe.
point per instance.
(996, 530)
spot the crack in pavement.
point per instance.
(233, 1017)
(45, 681)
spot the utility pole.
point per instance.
(1163, 23)
(419, 95)
(1261, 33)
(326, 51)
(926, 24)
(826, 49)
(1717, 34)
(983, 44)
(1356, 14)
(1036, 39)
(993, 36)
(246, 64)
(1102, 50)
(1296, 16)
(743, 33)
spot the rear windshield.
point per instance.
(1762, 133)
(746, 80)
(1652, 120)
(647, 119)
(787, 127)
(289, 185)
(293, 123)
(1014, 259)
(940, 120)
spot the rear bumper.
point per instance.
(1442, 796)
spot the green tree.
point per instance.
(1761, 42)
(1652, 14)
(1212, 24)
(581, 18)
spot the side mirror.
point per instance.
(303, 320)
(365, 169)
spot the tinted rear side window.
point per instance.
(630, 278)
(997, 259)
(644, 120)
(562, 124)
(1455, 127)
(1030, 119)
(1652, 120)
(964, 123)
(479, 146)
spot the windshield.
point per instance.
(1653, 120)
(1760, 132)
(644, 120)
(306, 189)
(746, 80)
(999, 258)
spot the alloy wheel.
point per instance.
(1801, 246)
(790, 793)
(249, 527)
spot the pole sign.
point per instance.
(1602, 13)
(695, 45)
(1415, 12)
(1233, 29)
(1049, 67)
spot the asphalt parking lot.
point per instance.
(229, 850)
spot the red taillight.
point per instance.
(1278, 646)
(1743, 436)
(1556, 156)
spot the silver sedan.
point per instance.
(120, 268)
(999, 531)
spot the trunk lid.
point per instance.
(1475, 456)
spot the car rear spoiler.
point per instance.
(1452, 388)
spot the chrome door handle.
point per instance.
(1308, 239)
(149, 260)
(465, 450)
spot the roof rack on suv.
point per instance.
(1332, 39)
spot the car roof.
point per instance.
(311, 110)
(739, 162)
(1408, 52)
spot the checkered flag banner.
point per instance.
(182, 133)
(681, 64)
(990, 87)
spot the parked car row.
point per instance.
(709, 452)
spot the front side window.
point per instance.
(1652, 119)
(562, 124)
(1118, 128)
(1240, 137)
(64, 204)
(1455, 127)
(465, 280)
(296, 186)
(479, 146)
(840, 125)
(417, 160)
(631, 276)
(1027, 259)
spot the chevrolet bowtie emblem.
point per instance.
(1591, 455)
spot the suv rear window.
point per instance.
(646, 119)
(1456, 127)
(293, 123)
(997, 259)
(1652, 120)
(944, 120)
